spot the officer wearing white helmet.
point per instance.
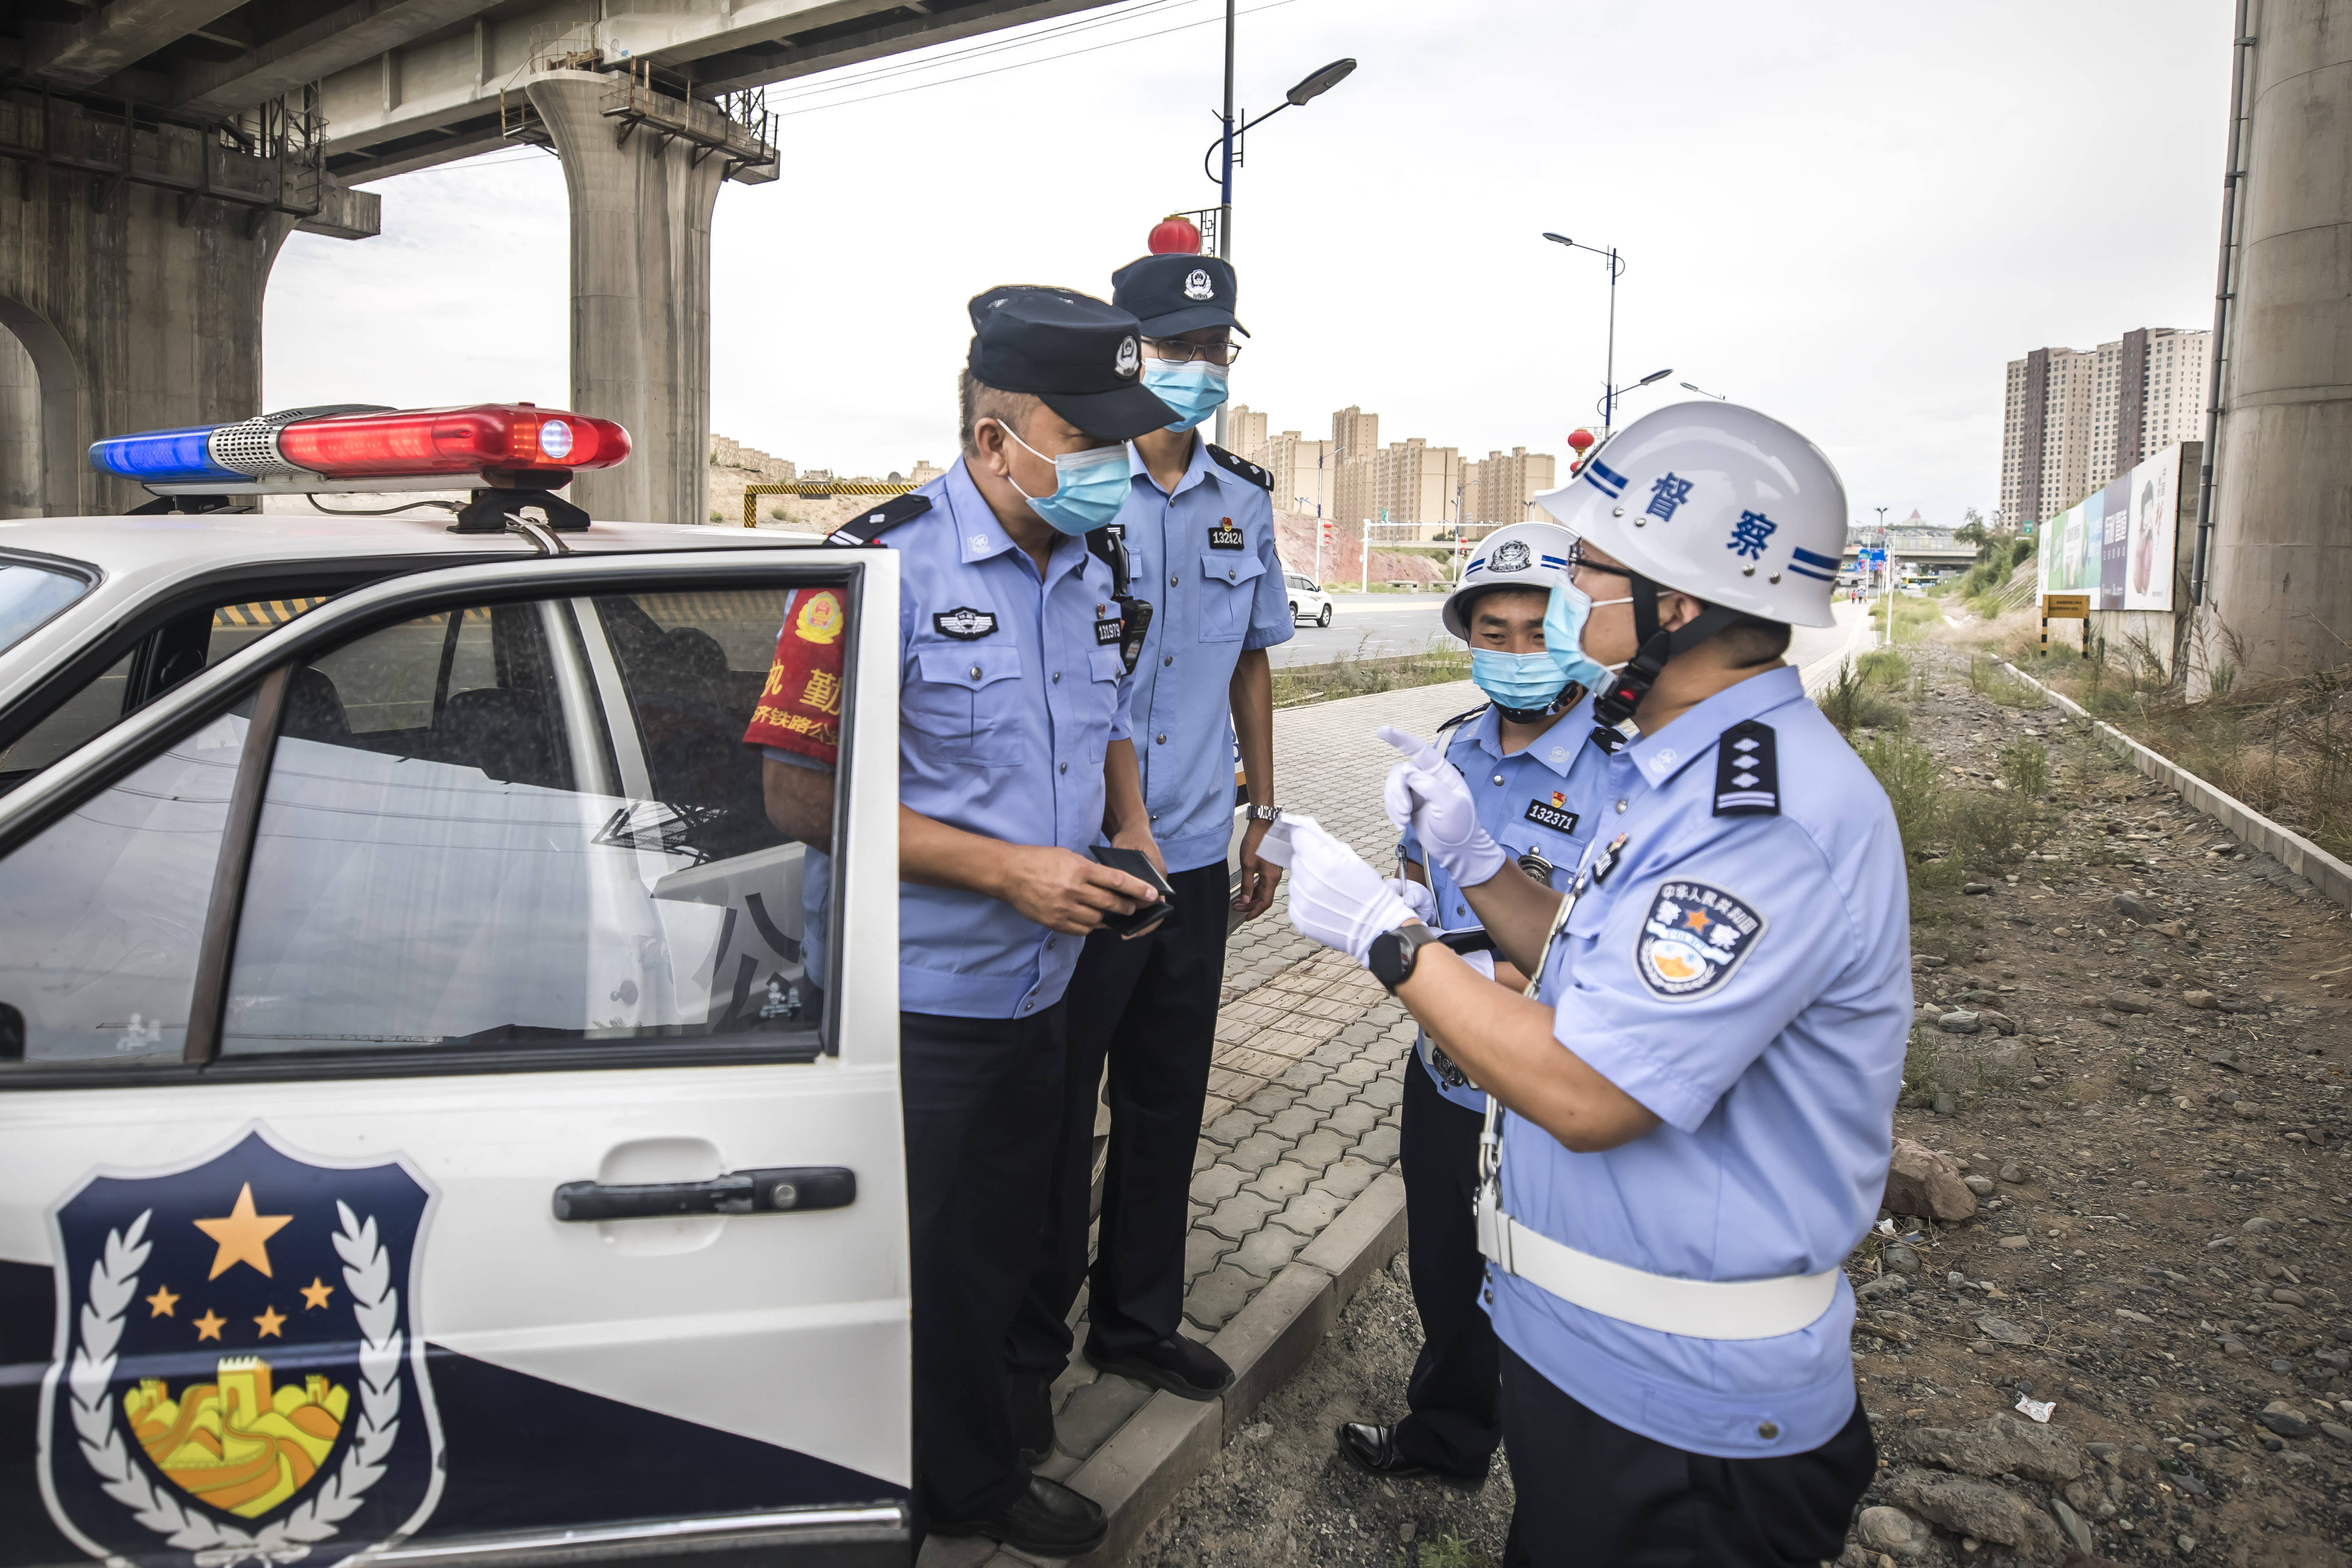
(1693, 1106)
(1521, 756)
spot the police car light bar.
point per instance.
(352, 447)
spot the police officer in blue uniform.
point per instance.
(1523, 758)
(1692, 1126)
(1014, 761)
(1197, 527)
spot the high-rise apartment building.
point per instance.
(1306, 474)
(1412, 484)
(1245, 433)
(1507, 485)
(2074, 420)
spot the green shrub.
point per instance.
(1914, 789)
(2025, 767)
(1883, 667)
(1847, 703)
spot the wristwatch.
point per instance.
(1264, 813)
(1393, 952)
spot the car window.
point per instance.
(102, 912)
(522, 825)
(30, 595)
(186, 646)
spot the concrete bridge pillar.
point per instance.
(640, 297)
(20, 431)
(2279, 576)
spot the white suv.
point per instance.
(1306, 600)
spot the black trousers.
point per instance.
(1150, 1005)
(979, 1097)
(1593, 1495)
(1455, 1394)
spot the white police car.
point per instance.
(1308, 601)
(416, 1141)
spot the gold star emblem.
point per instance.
(1696, 920)
(242, 1234)
(315, 1294)
(162, 1301)
(271, 1321)
(209, 1326)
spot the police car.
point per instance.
(417, 1138)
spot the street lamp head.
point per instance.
(1558, 239)
(1321, 82)
(1654, 375)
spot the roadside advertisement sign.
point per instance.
(2116, 545)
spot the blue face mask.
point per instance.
(1522, 682)
(1194, 389)
(1089, 486)
(1564, 620)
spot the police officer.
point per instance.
(1523, 757)
(1198, 528)
(1692, 1131)
(1013, 759)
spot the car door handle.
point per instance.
(783, 1189)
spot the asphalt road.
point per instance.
(1379, 624)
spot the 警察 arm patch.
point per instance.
(1693, 938)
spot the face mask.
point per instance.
(1194, 389)
(1564, 620)
(1518, 682)
(1089, 486)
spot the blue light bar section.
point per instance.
(159, 455)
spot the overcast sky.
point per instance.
(1850, 216)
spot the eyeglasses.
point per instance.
(1182, 352)
(1577, 560)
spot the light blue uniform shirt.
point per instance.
(1537, 798)
(1770, 1049)
(1203, 554)
(1000, 732)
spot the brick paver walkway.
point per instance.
(1307, 1076)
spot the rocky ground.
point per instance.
(2123, 1202)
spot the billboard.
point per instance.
(2117, 543)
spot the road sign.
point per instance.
(2065, 607)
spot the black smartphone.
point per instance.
(1138, 865)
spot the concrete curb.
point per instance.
(2297, 853)
(1164, 1445)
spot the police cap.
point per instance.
(1172, 294)
(1079, 357)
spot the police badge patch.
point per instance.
(1693, 938)
(238, 1375)
(964, 624)
(1511, 556)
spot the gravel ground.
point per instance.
(1280, 1494)
(2149, 1119)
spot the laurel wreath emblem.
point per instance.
(114, 1280)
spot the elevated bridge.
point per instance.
(164, 150)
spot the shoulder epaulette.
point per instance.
(867, 527)
(1748, 771)
(1242, 465)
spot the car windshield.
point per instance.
(31, 595)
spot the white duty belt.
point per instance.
(1696, 1309)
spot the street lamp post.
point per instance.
(1616, 270)
(1703, 391)
(1886, 567)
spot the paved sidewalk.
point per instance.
(1302, 1109)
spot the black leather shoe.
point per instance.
(1049, 1520)
(1184, 1368)
(1374, 1450)
(1029, 1400)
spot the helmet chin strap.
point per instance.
(1569, 695)
(1615, 704)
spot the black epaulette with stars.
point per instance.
(1748, 771)
(867, 527)
(1242, 465)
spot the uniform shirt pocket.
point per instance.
(1107, 668)
(964, 704)
(1228, 584)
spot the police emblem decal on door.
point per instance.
(237, 1376)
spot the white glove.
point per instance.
(1336, 898)
(1425, 797)
(1423, 902)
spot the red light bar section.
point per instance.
(514, 436)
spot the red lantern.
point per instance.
(1579, 439)
(1175, 235)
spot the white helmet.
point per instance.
(1719, 501)
(1524, 555)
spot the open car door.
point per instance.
(419, 1134)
